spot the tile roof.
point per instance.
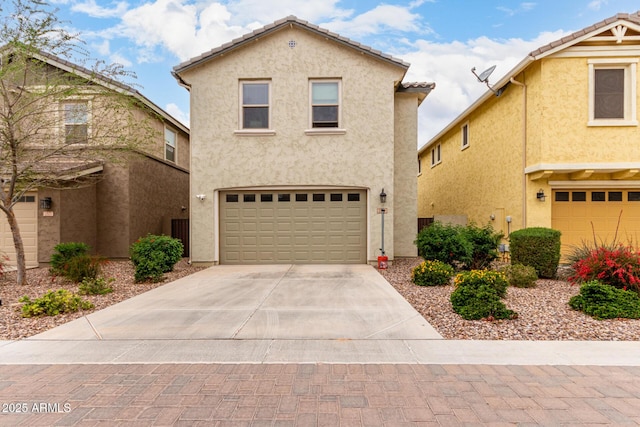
(277, 25)
(631, 17)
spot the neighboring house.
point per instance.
(295, 133)
(557, 145)
(122, 202)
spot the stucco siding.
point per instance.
(78, 215)
(405, 208)
(157, 196)
(112, 212)
(362, 157)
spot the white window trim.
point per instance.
(630, 68)
(175, 148)
(325, 131)
(252, 131)
(436, 155)
(63, 119)
(464, 146)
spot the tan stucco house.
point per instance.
(104, 204)
(295, 133)
(556, 143)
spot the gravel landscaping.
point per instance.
(543, 311)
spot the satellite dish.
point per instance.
(483, 77)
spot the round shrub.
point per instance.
(484, 242)
(63, 252)
(154, 255)
(432, 273)
(477, 295)
(83, 267)
(538, 247)
(439, 242)
(520, 276)
(603, 301)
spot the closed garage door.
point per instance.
(26, 211)
(315, 226)
(578, 214)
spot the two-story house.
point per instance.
(106, 204)
(555, 143)
(299, 139)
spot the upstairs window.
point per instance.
(436, 155)
(464, 130)
(169, 145)
(612, 92)
(255, 105)
(76, 122)
(325, 104)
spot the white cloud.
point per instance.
(522, 7)
(381, 18)
(92, 9)
(177, 113)
(597, 4)
(117, 58)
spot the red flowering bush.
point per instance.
(617, 266)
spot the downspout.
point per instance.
(524, 149)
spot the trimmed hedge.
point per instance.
(538, 247)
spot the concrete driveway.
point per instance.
(259, 302)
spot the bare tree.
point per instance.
(59, 118)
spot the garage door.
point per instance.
(578, 214)
(27, 214)
(314, 226)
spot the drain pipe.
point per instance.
(524, 149)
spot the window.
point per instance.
(562, 196)
(579, 196)
(76, 122)
(318, 197)
(615, 196)
(419, 165)
(464, 130)
(435, 155)
(266, 197)
(301, 197)
(353, 197)
(232, 198)
(612, 92)
(335, 197)
(284, 197)
(325, 104)
(249, 198)
(633, 196)
(598, 196)
(169, 145)
(255, 105)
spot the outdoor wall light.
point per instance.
(45, 204)
(383, 196)
(201, 197)
(540, 195)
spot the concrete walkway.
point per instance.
(302, 345)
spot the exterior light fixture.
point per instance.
(201, 197)
(383, 196)
(540, 195)
(45, 204)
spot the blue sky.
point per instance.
(442, 39)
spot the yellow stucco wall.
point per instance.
(487, 177)
(361, 157)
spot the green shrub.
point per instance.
(477, 295)
(54, 303)
(603, 301)
(520, 276)
(484, 242)
(96, 286)
(616, 266)
(439, 242)
(432, 273)
(83, 267)
(63, 252)
(154, 255)
(538, 247)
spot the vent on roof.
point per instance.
(292, 43)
